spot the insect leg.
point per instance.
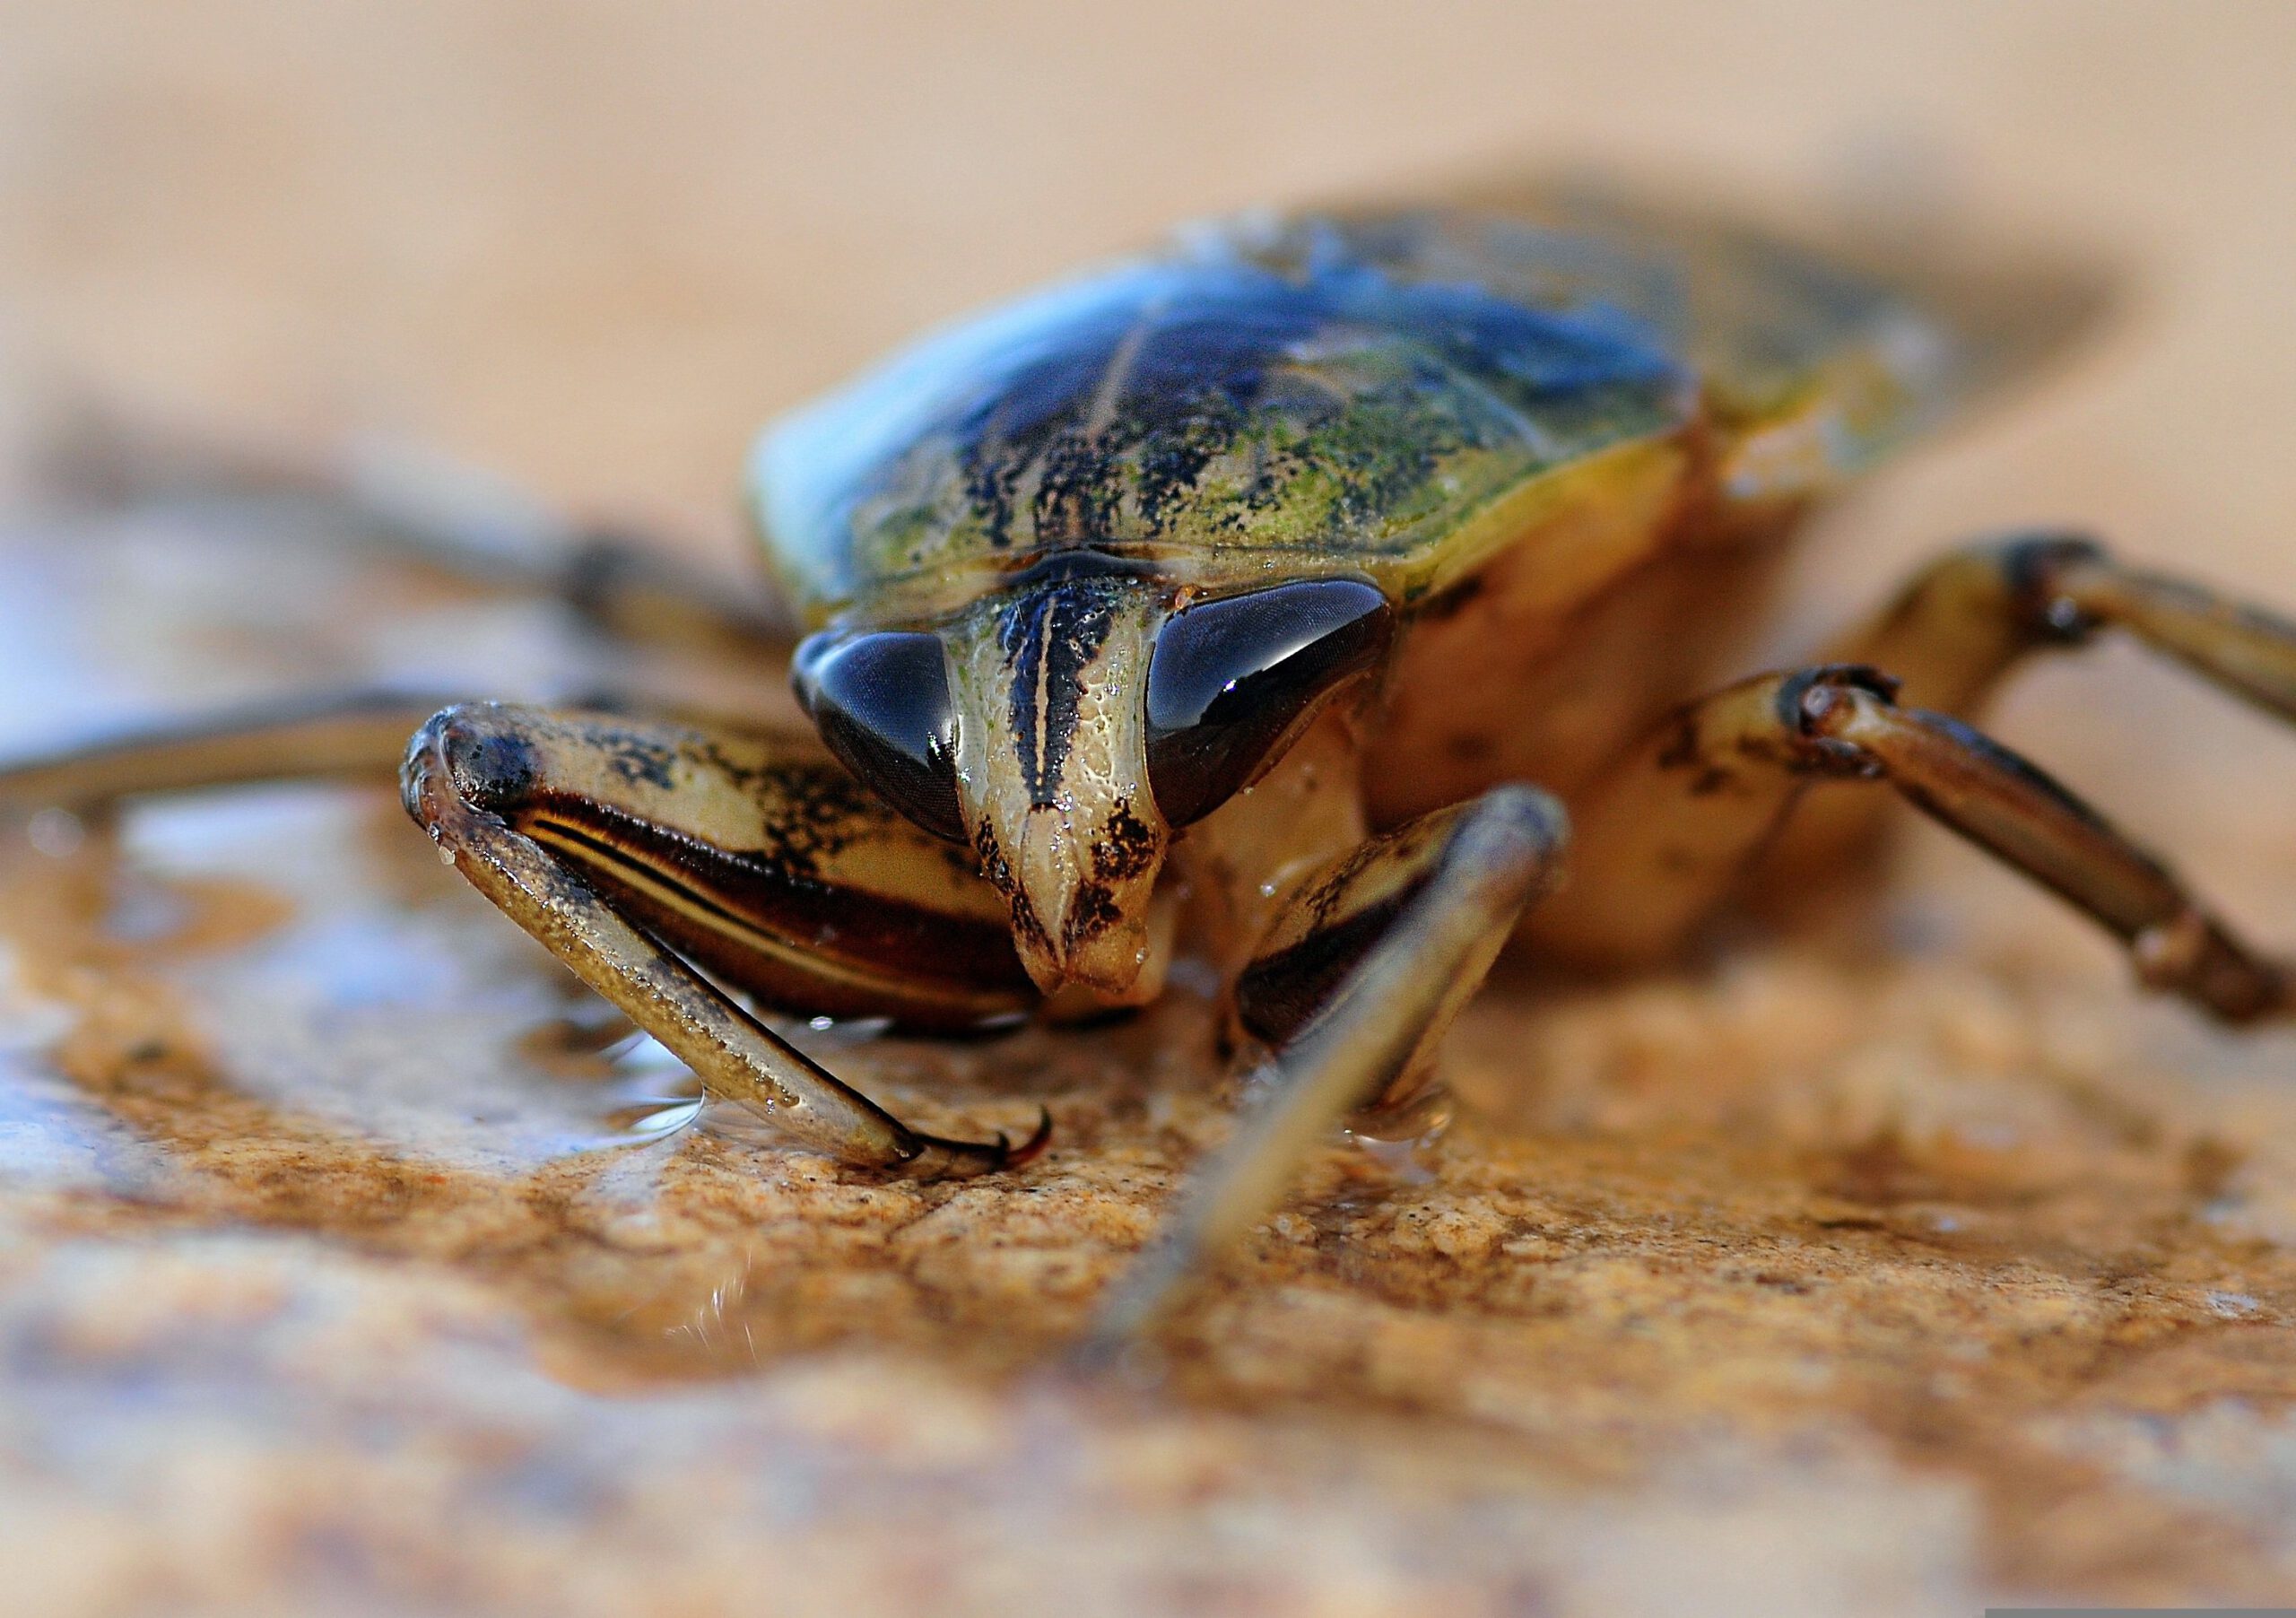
(605, 836)
(427, 509)
(616, 842)
(342, 733)
(1665, 832)
(1353, 986)
(1969, 619)
(350, 733)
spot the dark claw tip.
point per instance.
(1032, 1148)
(938, 1159)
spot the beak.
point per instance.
(1049, 684)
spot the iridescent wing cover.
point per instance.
(1354, 388)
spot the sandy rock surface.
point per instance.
(1905, 1256)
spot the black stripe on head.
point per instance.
(1051, 634)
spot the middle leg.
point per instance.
(398, 502)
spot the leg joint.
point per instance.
(1817, 705)
(484, 754)
(2039, 569)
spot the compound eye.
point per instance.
(1233, 679)
(881, 703)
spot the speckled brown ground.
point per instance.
(1902, 1263)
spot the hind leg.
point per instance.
(1969, 619)
(1664, 835)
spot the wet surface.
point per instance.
(1905, 1261)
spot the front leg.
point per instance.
(612, 840)
(1352, 988)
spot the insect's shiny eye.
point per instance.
(880, 701)
(1232, 679)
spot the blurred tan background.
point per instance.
(594, 245)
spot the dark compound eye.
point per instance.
(1233, 678)
(880, 701)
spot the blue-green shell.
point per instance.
(1346, 390)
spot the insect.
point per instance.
(1291, 597)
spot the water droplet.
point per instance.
(1401, 1159)
(837, 1033)
(653, 1120)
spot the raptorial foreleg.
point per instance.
(616, 842)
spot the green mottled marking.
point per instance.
(1351, 389)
